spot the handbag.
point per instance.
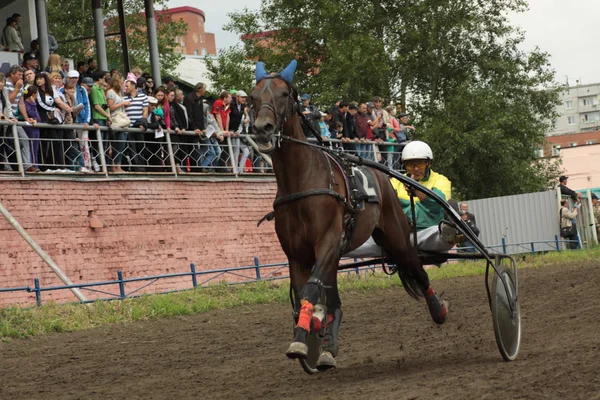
(120, 120)
(52, 118)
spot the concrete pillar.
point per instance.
(99, 35)
(42, 28)
(152, 42)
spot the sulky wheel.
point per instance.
(506, 313)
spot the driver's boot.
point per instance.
(437, 308)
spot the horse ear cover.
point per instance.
(260, 71)
(288, 73)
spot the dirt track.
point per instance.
(389, 350)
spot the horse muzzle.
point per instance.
(264, 131)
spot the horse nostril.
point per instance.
(269, 128)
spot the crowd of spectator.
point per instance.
(60, 94)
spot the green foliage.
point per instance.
(71, 19)
(231, 70)
(482, 103)
(17, 323)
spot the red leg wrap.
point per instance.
(316, 324)
(306, 313)
(430, 291)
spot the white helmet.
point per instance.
(417, 150)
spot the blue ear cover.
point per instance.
(260, 71)
(288, 73)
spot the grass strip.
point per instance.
(18, 323)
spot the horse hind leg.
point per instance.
(411, 272)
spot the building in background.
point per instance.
(197, 42)
(579, 110)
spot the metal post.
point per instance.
(532, 249)
(152, 42)
(257, 266)
(357, 270)
(101, 151)
(255, 147)
(232, 161)
(194, 277)
(42, 27)
(121, 284)
(123, 30)
(171, 155)
(504, 249)
(38, 292)
(99, 35)
(18, 150)
(557, 242)
(61, 275)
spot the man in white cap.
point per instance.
(238, 124)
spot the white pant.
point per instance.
(429, 240)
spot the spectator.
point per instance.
(568, 230)
(113, 72)
(29, 76)
(467, 245)
(325, 134)
(169, 83)
(405, 129)
(54, 65)
(393, 130)
(464, 207)
(596, 209)
(66, 67)
(87, 83)
(193, 103)
(213, 150)
(383, 119)
(149, 88)
(221, 110)
(116, 105)
(81, 69)
(52, 44)
(364, 126)
(339, 115)
(565, 191)
(137, 110)
(28, 107)
(47, 114)
(7, 153)
(92, 67)
(238, 123)
(56, 156)
(398, 110)
(351, 134)
(312, 116)
(14, 89)
(137, 71)
(31, 62)
(73, 156)
(178, 127)
(100, 114)
(17, 18)
(11, 36)
(35, 48)
(83, 114)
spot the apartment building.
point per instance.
(579, 110)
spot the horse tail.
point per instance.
(410, 282)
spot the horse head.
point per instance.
(274, 101)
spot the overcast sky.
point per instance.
(565, 29)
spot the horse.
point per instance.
(311, 213)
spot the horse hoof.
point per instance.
(326, 361)
(297, 350)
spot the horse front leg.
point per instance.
(332, 328)
(314, 297)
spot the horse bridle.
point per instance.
(279, 119)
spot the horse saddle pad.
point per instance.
(363, 184)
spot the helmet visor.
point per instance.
(411, 165)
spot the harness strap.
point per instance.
(312, 192)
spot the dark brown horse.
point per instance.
(310, 216)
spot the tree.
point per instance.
(231, 70)
(482, 103)
(72, 19)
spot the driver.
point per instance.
(431, 235)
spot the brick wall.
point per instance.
(150, 227)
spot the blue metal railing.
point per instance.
(257, 269)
